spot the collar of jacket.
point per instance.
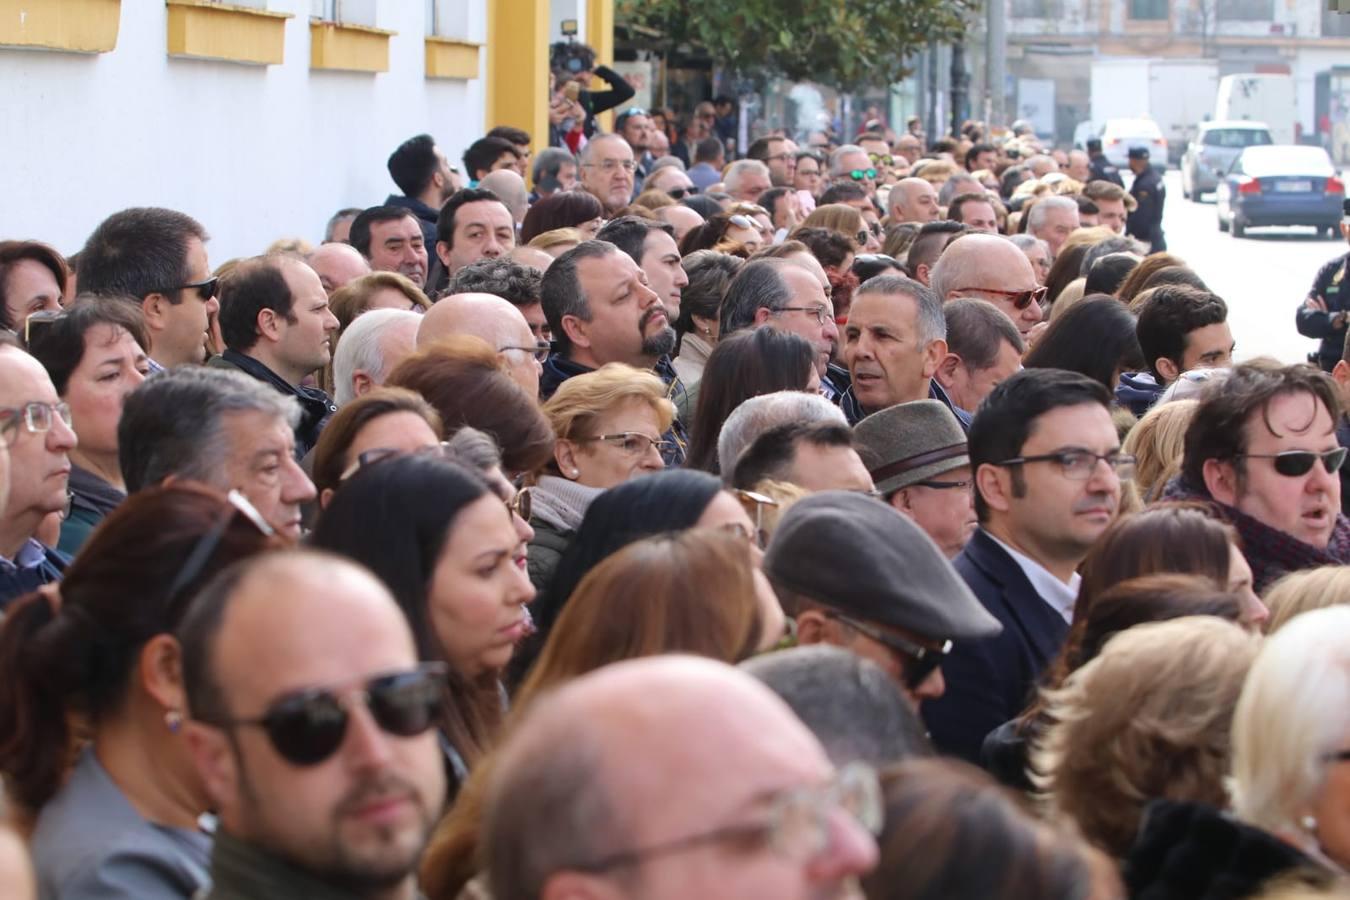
(309, 397)
(241, 871)
(418, 208)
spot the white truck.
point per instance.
(1259, 98)
(1175, 93)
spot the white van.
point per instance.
(1259, 98)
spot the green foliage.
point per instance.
(847, 44)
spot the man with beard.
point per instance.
(311, 724)
(601, 310)
(422, 173)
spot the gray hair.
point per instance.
(976, 330)
(839, 153)
(360, 348)
(759, 414)
(1036, 218)
(173, 424)
(474, 449)
(930, 324)
(854, 708)
(758, 285)
(1025, 242)
(739, 169)
(549, 163)
(960, 183)
(560, 291)
(593, 144)
(348, 214)
(668, 162)
(1121, 244)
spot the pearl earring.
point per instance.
(173, 720)
(1309, 824)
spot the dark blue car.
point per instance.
(1281, 185)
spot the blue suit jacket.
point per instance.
(989, 681)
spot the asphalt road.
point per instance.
(1263, 276)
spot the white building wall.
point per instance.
(253, 152)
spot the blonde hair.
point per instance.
(1292, 711)
(555, 237)
(354, 297)
(1157, 442)
(1148, 718)
(1300, 592)
(654, 200)
(784, 494)
(290, 246)
(582, 399)
(838, 217)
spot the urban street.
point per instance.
(1263, 276)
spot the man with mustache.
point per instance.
(1264, 449)
(1047, 468)
(312, 725)
(601, 309)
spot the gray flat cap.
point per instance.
(862, 558)
(910, 442)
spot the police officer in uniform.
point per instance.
(1145, 222)
(1100, 166)
(1324, 312)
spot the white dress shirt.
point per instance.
(1060, 596)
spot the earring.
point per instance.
(1309, 824)
(173, 720)
(574, 473)
(707, 331)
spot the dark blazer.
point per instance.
(989, 681)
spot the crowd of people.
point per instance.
(879, 518)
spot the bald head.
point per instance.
(337, 264)
(987, 267)
(510, 187)
(681, 218)
(642, 773)
(913, 200)
(495, 321)
(530, 256)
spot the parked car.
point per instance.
(1281, 184)
(1119, 135)
(1213, 150)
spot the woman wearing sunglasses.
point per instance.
(95, 353)
(849, 222)
(91, 675)
(448, 550)
(726, 232)
(387, 418)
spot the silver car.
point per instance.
(1211, 153)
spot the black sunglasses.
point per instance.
(919, 661)
(680, 193)
(205, 289)
(308, 727)
(1296, 463)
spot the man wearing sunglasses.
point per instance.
(990, 267)
(1048, 470)
(851, 163)
(312, 724)
(833, 563)
(36, 433)
(1264, 448)
(157, 257)
(699, 782)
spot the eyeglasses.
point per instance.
(754, 504)
(539, 351)
(191, 569)
(1079, 464)
(821, 314)
(681, 192)
(41, 317)
(808, 172)
(879, 159)
(796, 826)
(779, 157)
(861, 174)
(1336, 756)
(308, 727)
(1296, 463)
(205, 289)
(632, 442)
(1020, 299)
(919, 661)
(610, 165)
(861, 237)
(36, 417)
